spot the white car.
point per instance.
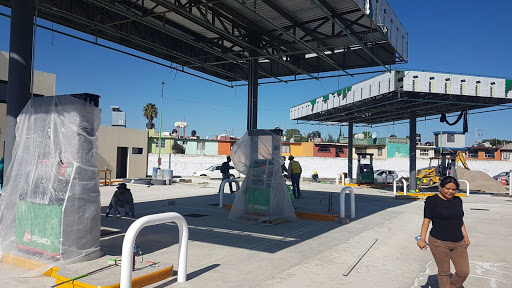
(214, 172)
(382, 176)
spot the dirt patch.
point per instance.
(479, 181)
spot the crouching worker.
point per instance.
(314, 177)
(122, 199)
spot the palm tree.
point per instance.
(150, 112)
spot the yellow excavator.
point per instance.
(431, 175)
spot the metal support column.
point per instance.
(350, 146)
(252, 101)
(20, 69)
(412, 150)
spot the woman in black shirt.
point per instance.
(448, 238)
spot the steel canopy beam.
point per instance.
(185, 14)
(329, 11)
(144, 20)
(293, 38)
(104, 28)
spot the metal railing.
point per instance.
(352, 202)
(129, 241)
(403, 182)
(467, 186)
(221, 192)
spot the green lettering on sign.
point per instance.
(508, 85)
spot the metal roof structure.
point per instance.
(220, 37)
(391, 96)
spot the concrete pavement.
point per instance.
(304, 253)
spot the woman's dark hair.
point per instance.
(448, 180)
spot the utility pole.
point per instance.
(478, 132)
(160, 134)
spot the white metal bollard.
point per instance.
(405, 186)
(342, 179)
(221, 192)
(129, 241)
(509, 190)
(352, 202)
(467, 186)
(403, 182)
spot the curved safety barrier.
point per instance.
(129, 241)
(467, 186)
(342, 179)
(352, 202)
(403, 182)
(221, 192)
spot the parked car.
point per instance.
(214, 172)
(505, 174)
(383, 176)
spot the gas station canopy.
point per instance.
(392, 96)
(220, 37)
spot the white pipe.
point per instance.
(129, 241)
(405, 186)
(509, 190)
(467, 186)
(221, 193)
(394, 185)
(352, 202)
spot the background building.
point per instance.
(123, 150)
(44, 85)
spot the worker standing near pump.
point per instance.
(294, 171)
(284, 170)
(224, 170)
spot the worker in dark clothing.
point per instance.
(283, 168)
(224, 169)
(122, 199)
(314, 177)
(294, 171)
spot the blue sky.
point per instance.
(468, 37)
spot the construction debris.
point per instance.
(479, 181)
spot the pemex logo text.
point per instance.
(27, 237)
(35, 238)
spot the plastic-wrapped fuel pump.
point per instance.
(50, 204)
(263, 194)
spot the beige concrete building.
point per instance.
(44, 85)
(123, 150)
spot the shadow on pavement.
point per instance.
(190, 275)
(431, 282)
(210, 224)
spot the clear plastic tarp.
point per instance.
(50, 202)
(263, 194)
